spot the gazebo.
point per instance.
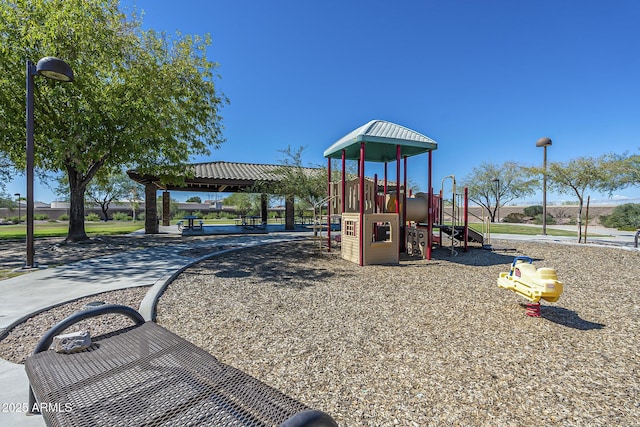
(369, 235)
(219, 176)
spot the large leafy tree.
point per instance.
(492, 185)
(624, 171)
(140, 99)
(576, 176)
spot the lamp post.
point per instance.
(19, 213)
(544, 142)
(497, 181)
(55, 69)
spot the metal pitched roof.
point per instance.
(381, 138)
(221, 176)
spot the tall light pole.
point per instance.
(19, 213)
(55, 69)
(497, 181)
(544, 142)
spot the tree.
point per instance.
(514, 183)
(308, 184)
(105, 189)
(140, 99)
(623, 171)
(244, 203)
(194, 199)
(576, 176)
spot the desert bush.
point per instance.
(92, 217)
(538, 219)
(514, 217)
(121, 216)
(625, 216)
(533, 211)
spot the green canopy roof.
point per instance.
(381, 138)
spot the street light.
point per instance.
(544, 142)
(19, 214)
(55, 69)
(497, 181)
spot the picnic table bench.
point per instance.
(147, 375)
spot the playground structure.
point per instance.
(379, 219)
(533, 284)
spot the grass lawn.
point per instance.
(60, 229)
(527, 230)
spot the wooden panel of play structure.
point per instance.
(380, 238)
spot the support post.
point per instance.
(403, 225)
(343, 184)
(150, 209)
(328, 205)
(427, 252)
(466, 218)
(361, 202)
(166, 208)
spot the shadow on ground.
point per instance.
(568, 318)
(293, 267)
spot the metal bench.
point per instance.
(147, 375)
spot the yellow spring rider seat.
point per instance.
(531, 283)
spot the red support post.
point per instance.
(361, 225)
(427, 252)
(385, 186)
(403, 227)
(343, 183)
(328, 207)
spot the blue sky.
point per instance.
(485, 79)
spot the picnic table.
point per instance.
(190, 223)
(249, 221)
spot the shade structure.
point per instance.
(381, 139)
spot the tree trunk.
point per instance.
(289, 218)
(579, 220)
(105, 212)
(76, 212)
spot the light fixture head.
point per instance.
(55, 69)
(495, 179)
(543, 142)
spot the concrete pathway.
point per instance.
(39, 290)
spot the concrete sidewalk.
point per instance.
(597, 236)
(31, 293)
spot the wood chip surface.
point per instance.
(425, 342)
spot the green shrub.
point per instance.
(538, 219)
(63, 217)
(514, 217)
(14, 219)
(40, 217)
(533, 211)
(93, 217)
(625, 216)
(121, 216)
